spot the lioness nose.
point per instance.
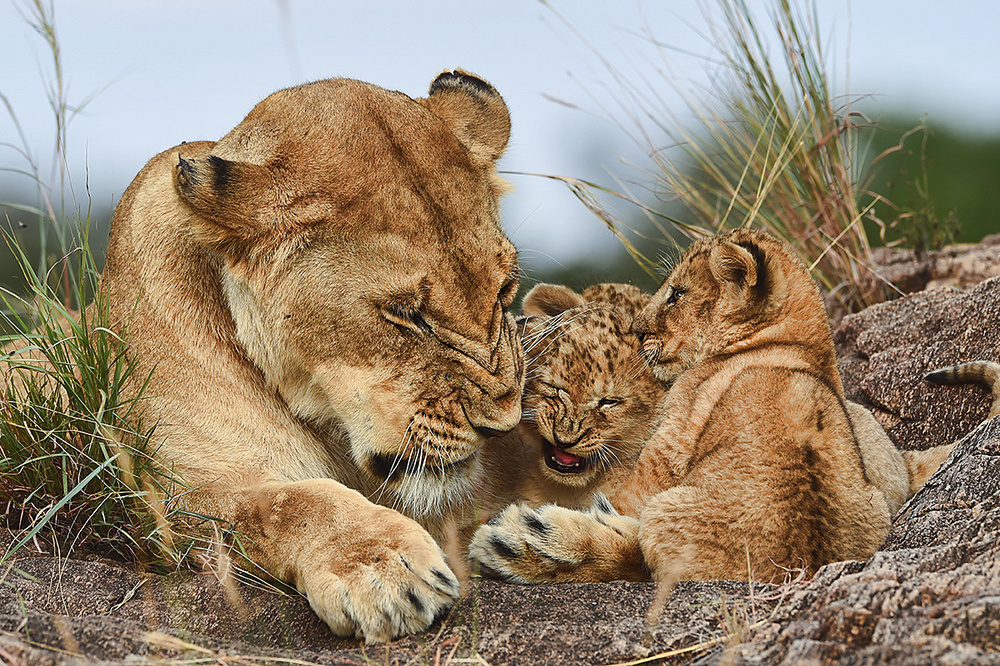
(490, 432)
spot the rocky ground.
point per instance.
(932, 595)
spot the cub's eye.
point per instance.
(609, 402)
(675, 295)
(406, 317)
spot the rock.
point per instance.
(960, 265)
(885, 351)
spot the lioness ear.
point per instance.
(733, 264)
(549, 300)
(229, 197)
(473, 110)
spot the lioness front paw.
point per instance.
(386, 591)
(555, 544)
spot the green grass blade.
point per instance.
(67, 498)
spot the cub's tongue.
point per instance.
(563, 462)
(564, 458)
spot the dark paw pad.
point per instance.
(535, 524)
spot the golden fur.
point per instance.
(324, 294)
(755, 468)
(589, 402)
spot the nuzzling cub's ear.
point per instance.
(474, 111)
(733, 264)
(737, 271)
(549, 300)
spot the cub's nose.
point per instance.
(639, 329)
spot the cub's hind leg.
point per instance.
(686, 534)
(692, 533)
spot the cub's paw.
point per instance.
(555, 544)
(392, 586)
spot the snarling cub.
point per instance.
(590, 403)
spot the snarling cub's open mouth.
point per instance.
(563, 461)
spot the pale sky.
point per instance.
(165, 72)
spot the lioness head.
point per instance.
(588, 398)
(727, 291)
(367, 272)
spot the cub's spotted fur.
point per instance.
(589, 403)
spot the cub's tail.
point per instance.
(986, 372)
(921, 465)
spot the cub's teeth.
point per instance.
(563, 461)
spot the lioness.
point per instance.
(323, 296)
(755, 468)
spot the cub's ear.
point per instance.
(733, 266)
(229, 198)
(474, 111)
(549, 300)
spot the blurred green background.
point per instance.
(961, 172)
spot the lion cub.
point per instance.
(589, 403)
(755, 468)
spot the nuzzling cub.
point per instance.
(755, 468)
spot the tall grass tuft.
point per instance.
(76, 464)
(77, 467)
(770, 145)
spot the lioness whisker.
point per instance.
(404, 444)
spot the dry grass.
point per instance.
(767, 143)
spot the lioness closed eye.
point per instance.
(323, 296)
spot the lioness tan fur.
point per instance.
(322, 296)
(755, 468)
(589, 402)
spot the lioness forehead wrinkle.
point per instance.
(253, 275)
